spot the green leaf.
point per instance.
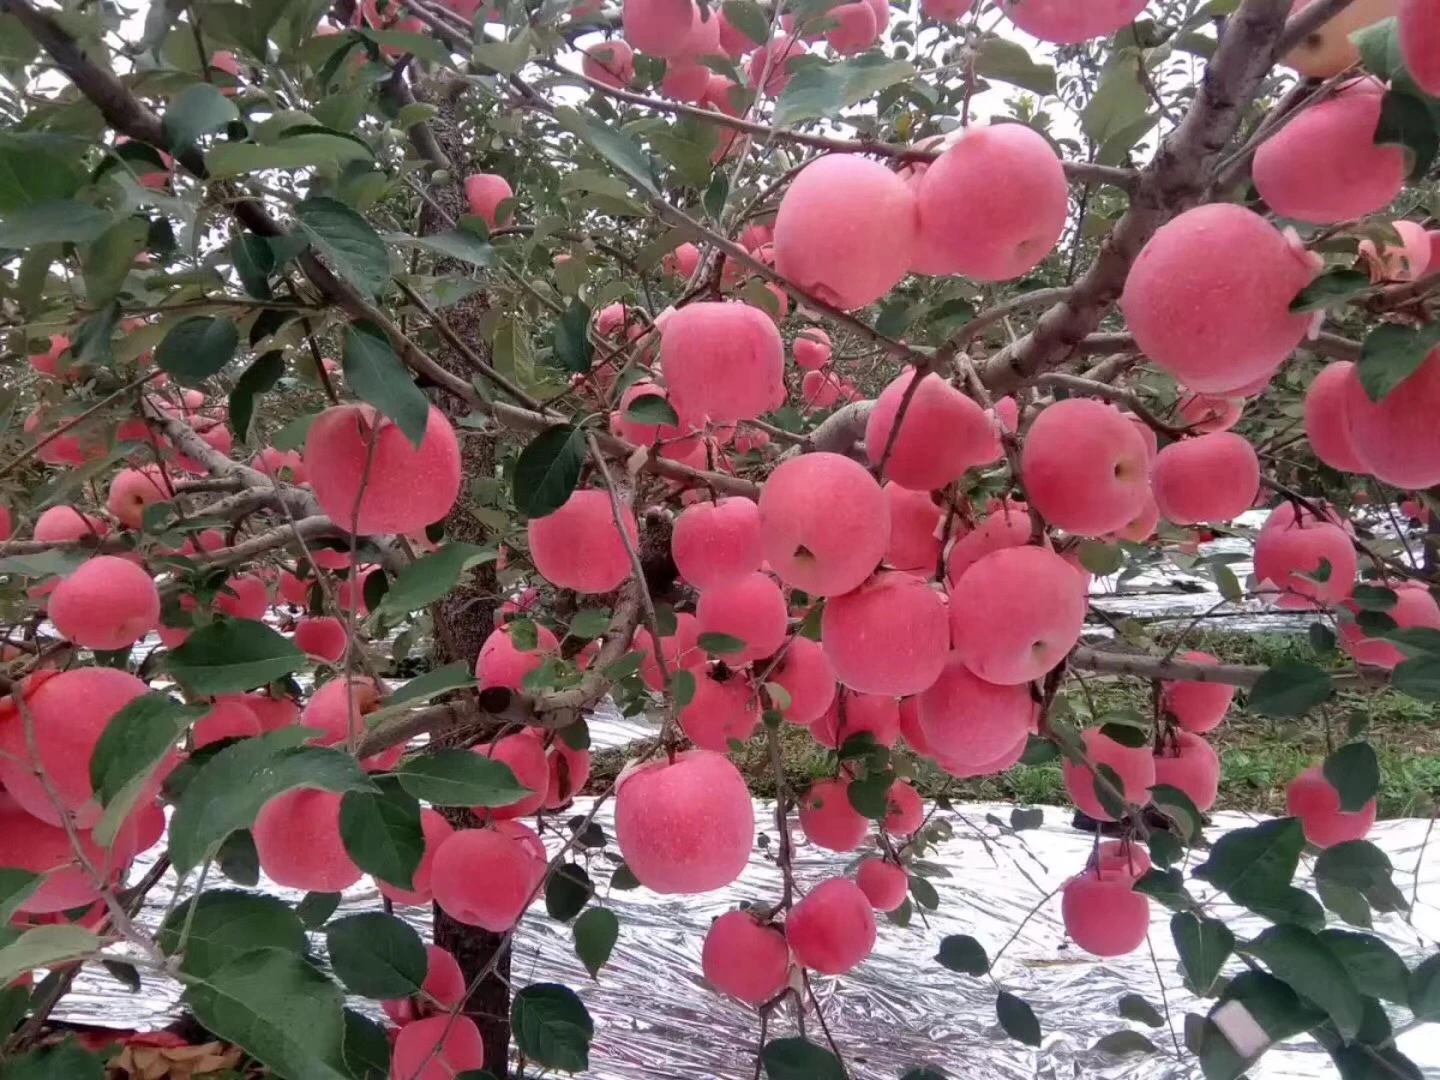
(590, 623)
(379, 378)
(227, 159)
(196, 111)
(614, 146)
(254, 262)
(548, 469)
(1407, 120)
(36, 168)
(259, 378)
(226, 923)
(460, 244)
(1330, 288)
(1017, 1018)
(279, 1009)
(1354, 772)
(652, 409)
(45, 946)
(1357, 863)
(347, 240)
(1301, 960)
(456, 676)
(824, 90)
(376, 955)
(596, 932)
(431, 576)
(1379, 45)
(460, 778)
(366, 1049)
(15, 887)
(135, 741)
(63, 221)
(1374, 967)
(1204, 944)
(1179, 808)
(1118, 105)
(1290, 688)
(381, 832)
(551, 1027)
(1391, 353)
(315, 908)
(238, 860)
(1136, 1008)
(231, 787)
(749, 18)
(198, 347)
(111, 258)
(800, 1059)
(1418, 677)
(1100, 558)
(567, 891)
(68, 1061)
(962, 953)
(571, 339)
(1286, 905)
(1254, 861)
(720, 644)
(231, 656)
(1348, 903)
(1425, 989)
(1008, 61)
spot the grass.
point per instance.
(1259, 755)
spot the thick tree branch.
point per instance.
(1174, 181)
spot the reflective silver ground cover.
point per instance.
(900, 1008)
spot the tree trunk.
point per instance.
(465, 616)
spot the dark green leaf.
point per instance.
(1347, 902)
(800, 1059)
(1256, 860)
(1301, 960)
(1017, 1018)
(379, 377)
(823, 90)
(135, 741)
(1008, 61)
(1286, 904)
(366, 1052)
(1418, 677)
(868, 796)
(111, 258)
(567, 891)
(1136, 1008)
(623, 878)
(589, 623)
(1322, 638)
(1204, 944)
(15, 886)
(924, 893)
(230, 656)
(231, 787)
(238, 860)
(652, 409)
(571, 339)
(613, 145)
(315, 908)
(1357, 863)
(1100, 558)
(225, 923)
(1379, 45)
(260, 377)
(14, 1002)
(68, 1061)
(716, 194)
(1374, 967)
(1373, 598)
(596, 932)
(456, 676)
(347, 240)
(278, 1008)
(1179, 808)
(1290, 688)
(962, 953)
(64, 221)
(198, 110)
(548, 469)
(197, 348)
(460, 778)
(1108, 789)
(1166, 886)
(1392, 353)
(381, 832)
(459, 244)
(254, 262)
(1406, 120)
(430, 577)
(1354, 772)
(749, 18)
(1331, 287)
(1425, 989)
(44, 946)
(377, 955)
(552, 1027)
(720, 644)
